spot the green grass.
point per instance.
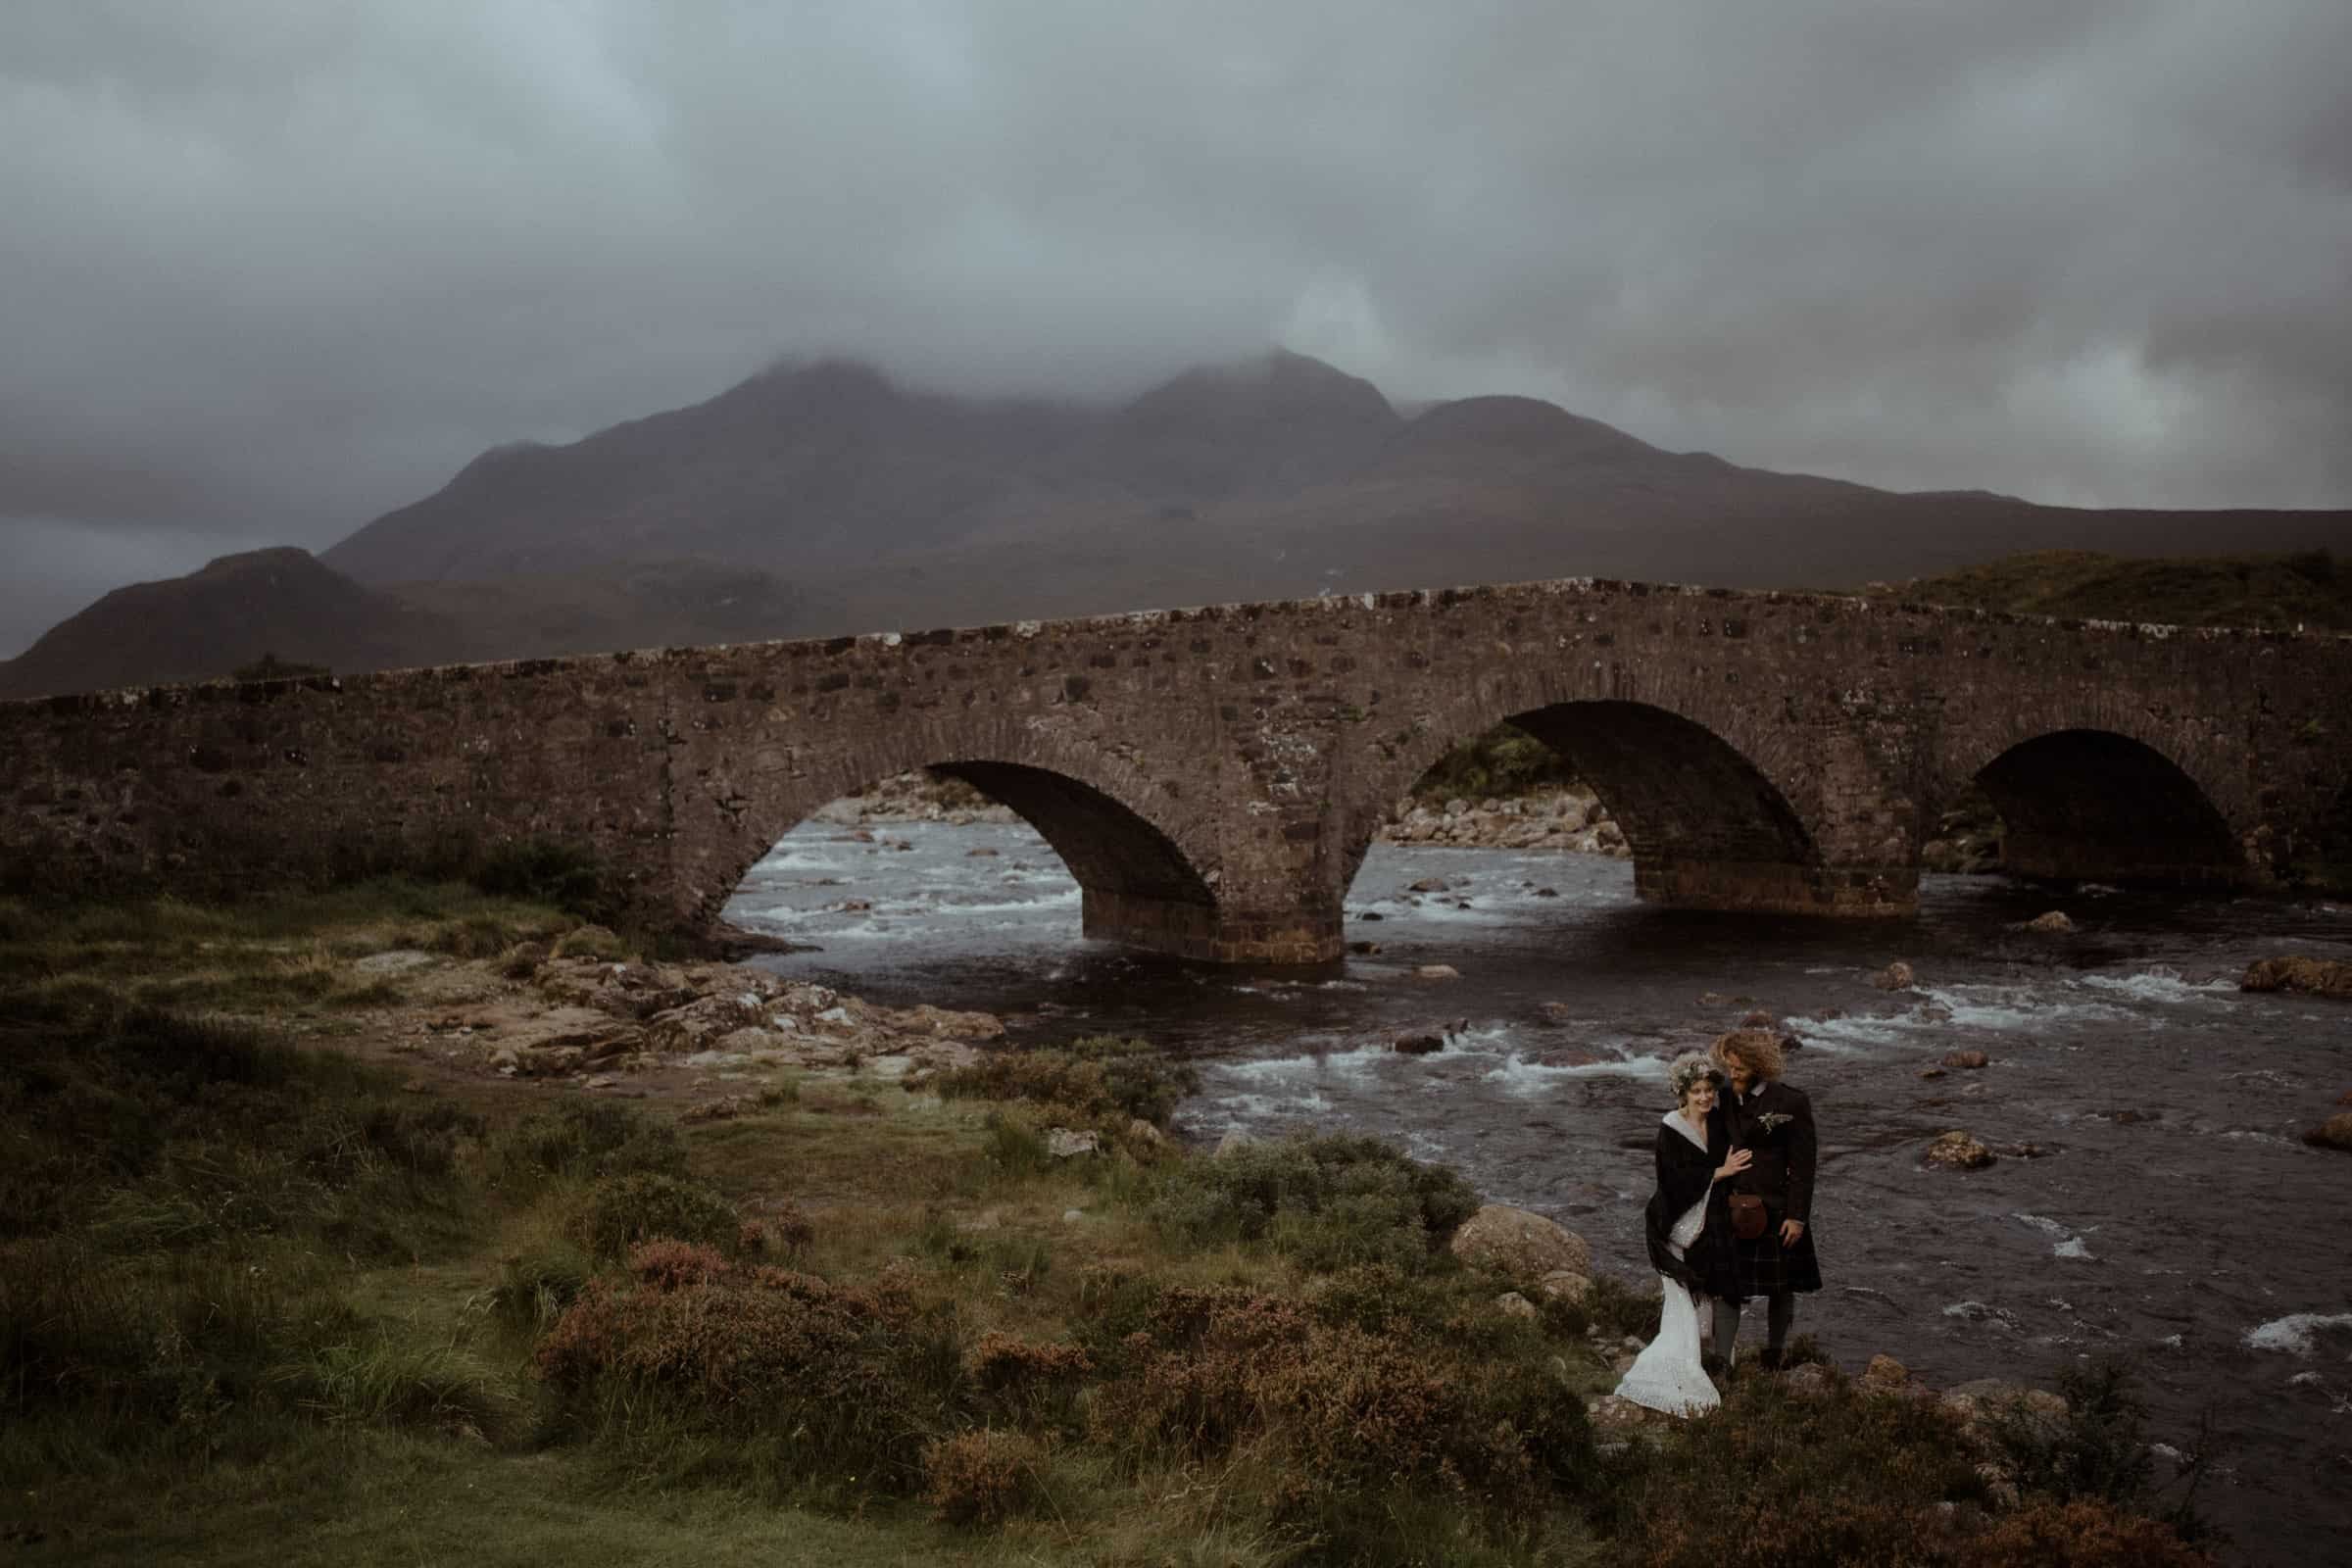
(2312, 589)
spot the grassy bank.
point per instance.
(2277, 593)
(261, 1300)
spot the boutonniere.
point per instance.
(1773, 1118)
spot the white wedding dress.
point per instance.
(1667, 1375)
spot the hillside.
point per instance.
(2312, 588)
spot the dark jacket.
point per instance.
(1685, 1172)
(1776, 1125)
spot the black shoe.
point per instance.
(1771, 1359)
(1711, 1364)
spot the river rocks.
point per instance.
(1896, 976)
(2334, 1133)
(1811, 1380)
(942, 1023)
(1613, 1416)
(1513, 1305)
(396, 960)
(1437, 971)
(1931, 1072)
(915, 797)
(1884, 1375)
(1966, 1060)
(1519, 1244)
(2318, 977)
(1063, 1144)
(1564, 1285)
(1978, 1406)
(1571, 820)
(1956, 1151)
(1417, 1045)
(2056, 920)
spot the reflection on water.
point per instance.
(2154, 1197)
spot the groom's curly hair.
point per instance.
(1759, 1048)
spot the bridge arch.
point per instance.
(2085, 804)
(1714, 810)
(1145, 866)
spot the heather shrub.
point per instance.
(623, 1210)
(1774, 1477)
(581, 1140)
(1027, 1384)
(982, 1478)
(2086, 1533)
(1326, 1203)
(799, 1380)
(1334, 1426)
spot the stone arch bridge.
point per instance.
(1213, 777)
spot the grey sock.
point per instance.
(1726, 1328)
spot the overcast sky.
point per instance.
(270, 268)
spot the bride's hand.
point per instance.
(1737, 1162)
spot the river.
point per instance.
(2153, 1197)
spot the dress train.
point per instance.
(1667, 1375)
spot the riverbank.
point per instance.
(1068, 1340)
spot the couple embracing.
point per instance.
(1730, 1219)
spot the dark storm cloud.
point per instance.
(267, 269)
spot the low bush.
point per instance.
(582, 1140)
(535, 1287)
(1100, 1079)
(2098, 1450)
(805, 1380)
(1328, 1203)
(148, 1130)
(983, 1478)
(544, 871)
(1336, 1426)
(622, 1211)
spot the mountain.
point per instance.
(287, 607)
(235, 610)
(816, 499)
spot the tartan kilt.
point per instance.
(1764, 1267)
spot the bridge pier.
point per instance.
(1776, 887)
(1209, 934)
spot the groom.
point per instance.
(1765, 1115)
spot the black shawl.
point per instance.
(1686, 1172)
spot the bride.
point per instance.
(1689, 1241)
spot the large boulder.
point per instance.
(1520, 1245)
(2319, 977)
(1896, 976)
(2334, 1133)
(1956, 1151)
